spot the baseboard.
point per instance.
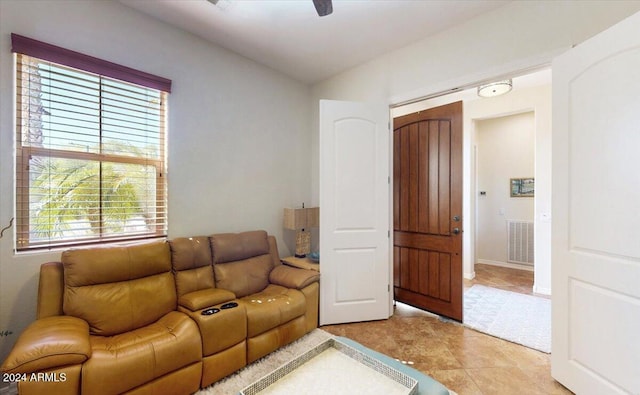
(506, 264)
(541, 290)
(469, 276)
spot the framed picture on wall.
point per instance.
(522, 187)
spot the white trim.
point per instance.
(506, 264)
(541, 290)
(469, 275)
(392, 301)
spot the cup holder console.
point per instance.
(213, 310)
(210, 311)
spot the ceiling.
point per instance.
(288, 35)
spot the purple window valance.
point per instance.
(52, 53)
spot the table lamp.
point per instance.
(300, 220)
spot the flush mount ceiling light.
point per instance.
(495, 88)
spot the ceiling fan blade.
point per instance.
(324, 7)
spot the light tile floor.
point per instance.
(466, 361)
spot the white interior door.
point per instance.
(596, 213)
(354, 212)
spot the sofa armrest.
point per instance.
(50, 290)
(292, 277)
(198, 300)
(48, 343)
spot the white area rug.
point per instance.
(519, 318)
(233, 384)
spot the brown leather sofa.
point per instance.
(164, 317)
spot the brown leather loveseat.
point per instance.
(165, 317)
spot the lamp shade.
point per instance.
(301, 218)
(295, 218)
(313, 217)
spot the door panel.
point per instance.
(427, 149)
(595, 233)
(354, 213)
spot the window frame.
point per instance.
(23, 46)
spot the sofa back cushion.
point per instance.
(241, 261)
(191, 261)
(118, 289)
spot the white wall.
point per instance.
(518, 36)
(505, 150)
(238, 143)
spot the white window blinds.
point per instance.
(90, 157)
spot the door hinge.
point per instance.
(389, 180)
(388, 234)
(388, 287)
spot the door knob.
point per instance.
(456, 231)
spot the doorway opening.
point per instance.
(505, 167)
(530, 98)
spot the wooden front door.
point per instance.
(427, 210)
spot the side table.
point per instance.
(301, 263)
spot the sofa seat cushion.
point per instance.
(122, 362)
(272, 307)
